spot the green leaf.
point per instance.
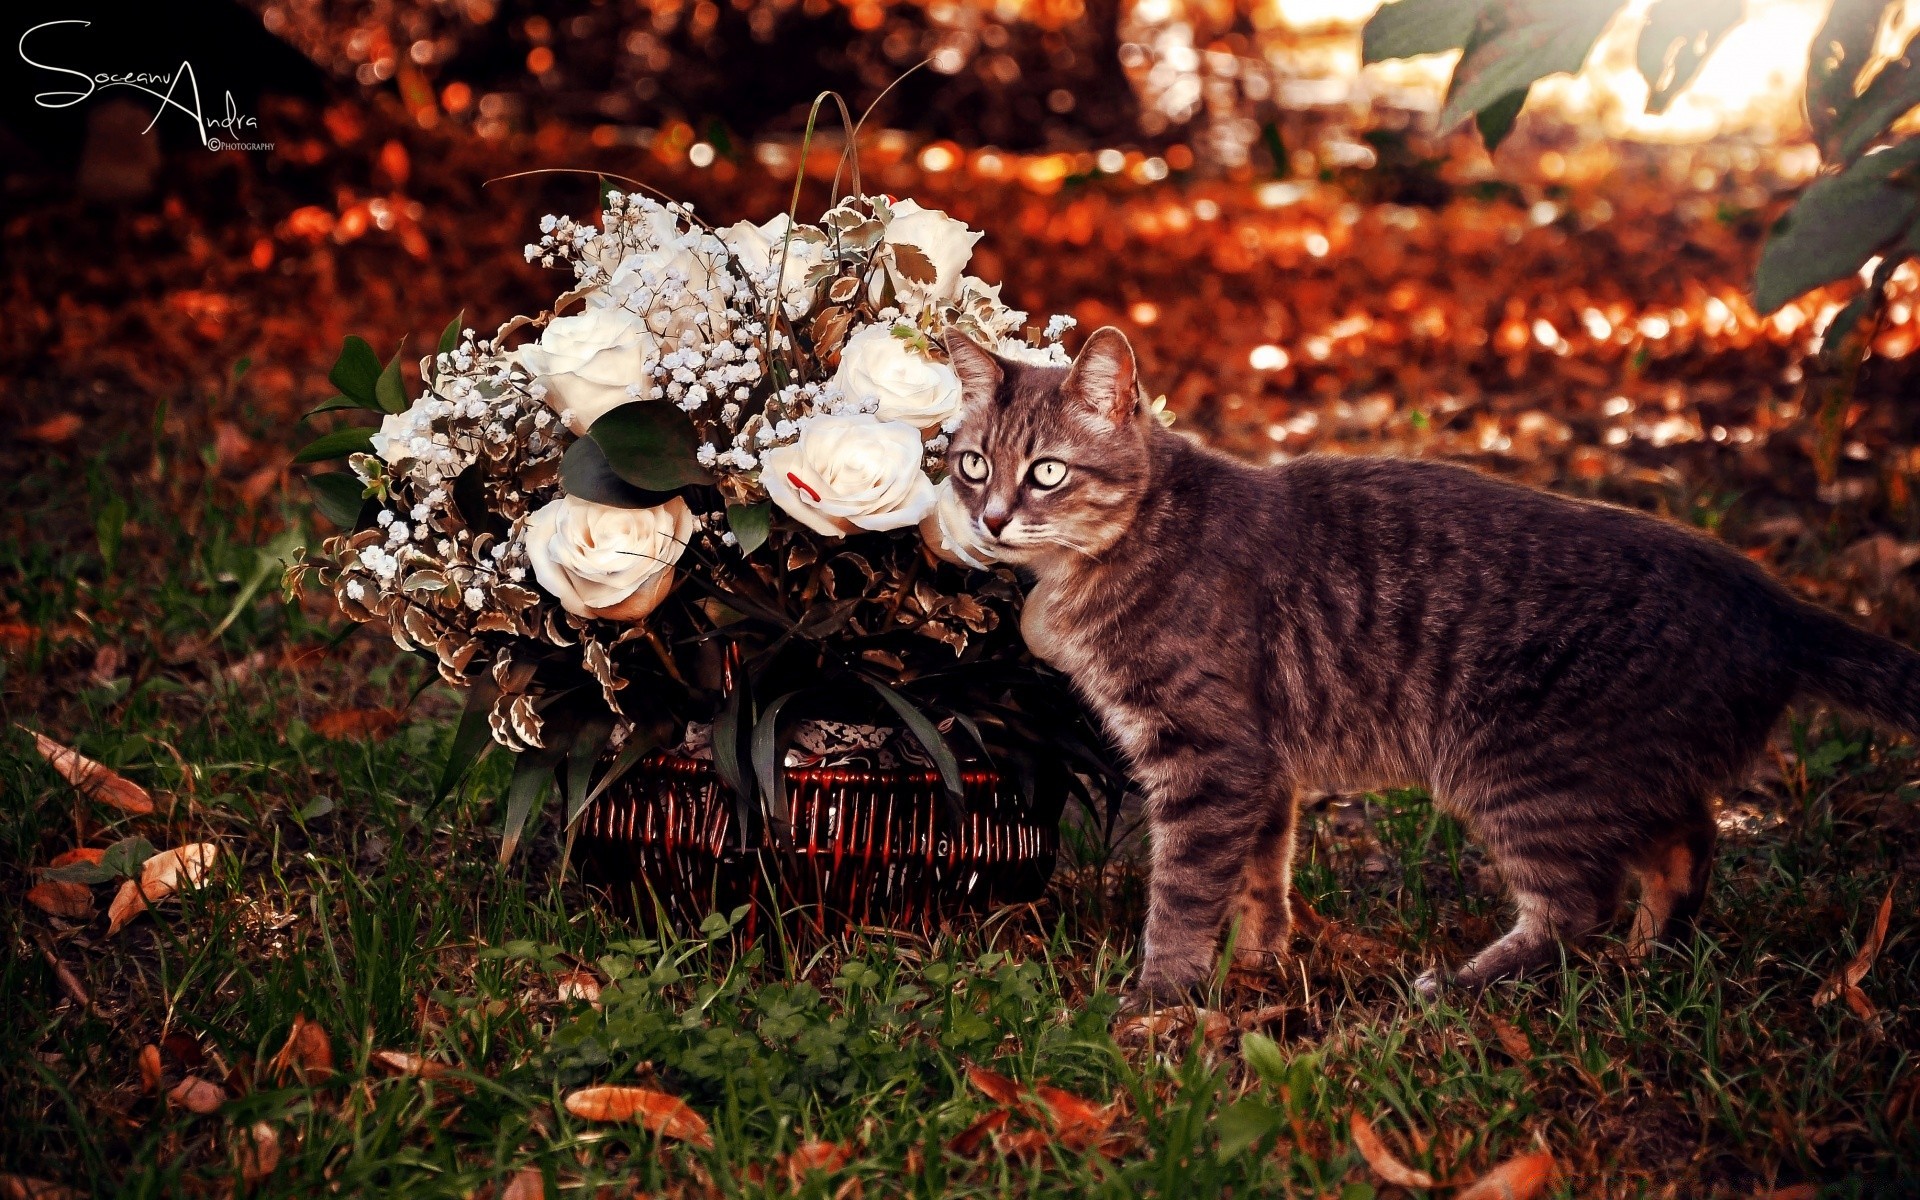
(1516, 42)
(389, 389)
(1495, 121)
(356, 372)
(337, 444)
(1838, 224)
(929, 738)
(1893, 93)
(1414, 27)
(338, 403)
(1676, 40)
(651, 445)
(1245, 1122)
(594, 732)
(585, 472)
(765, 753)
(1839, 52)
(642, 741)
(749, 523)
(532, 775)
(472, 737)
(450, 336)
(337, 496)
(726, 750)
(1263, 1054)
(121, 861)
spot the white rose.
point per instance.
(950, 533)
(586, 362)
(757, 248)
(601, 561)
(849, 472)
(896, 381)
(947, 243)
(396, 430)
(676, 289)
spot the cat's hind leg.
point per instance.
(1263, 909)
(1673, 876)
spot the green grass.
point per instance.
(344, 896)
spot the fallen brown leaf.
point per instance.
(94, 781)
(668, 1116)
(527, 1184)
(308, 1053)
(967, 1141)
(1519, 1178)
(62, 899)
(1845, 984)
(1381, 1159)
(1076, 1121)
(1027, 1144)
(1793, 1191)
(259, 1152)
(161, 876)
(1511, 1039)
(198, 1095)
(79, 854)
(22, 1187)
(62, 427)
(358, 724)
(399, 1062)
(807, 1157)
(998, 1088)
(578, 985)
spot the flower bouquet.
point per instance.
(691, 523)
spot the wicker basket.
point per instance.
(867, 847)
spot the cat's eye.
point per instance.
(973, 466)
(1048, 473)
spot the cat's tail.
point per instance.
(1874, 676)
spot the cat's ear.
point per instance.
(1103, 375)
(979, 374)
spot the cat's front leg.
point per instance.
(1203, 836)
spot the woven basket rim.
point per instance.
(833, 776)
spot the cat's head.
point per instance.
(1049, 460)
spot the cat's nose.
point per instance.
(995, 520)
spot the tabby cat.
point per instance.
(1574, 681)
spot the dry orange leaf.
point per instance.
(578, 985)
(150, 1068)
(259, 1152)
(668, 1116)
(22, 1187)
(198, 1095)
(1077, 1121)
(1512, 1040)
(358, 724)
(1381, 1159)
(307, 1054)
(161, 876)
(527, 1184)
(967, 1141)
(62, 899)
(93, 780)
(814, 1156)
(55, 429)
(1520, 1178)
(998, 1088)
(79, 854)
(399, 1062)
(1846, 983)
(1027, 1144)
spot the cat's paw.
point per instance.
(1260, 962)
(1429, 984)
(1150, 996)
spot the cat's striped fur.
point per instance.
(1575, 681)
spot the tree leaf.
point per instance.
(91, 779)
(337, 495)
(668, 1116)
(1495, 121)
(1894, 92)
(1382, 1159)
(1839, 52)
(1520, 1178)
(929, 738)
(356, 372)
(1514, 43)
(339, 404)
(337, 444)
(1676, 40)
(1409, 28)
(651, 445)
(471, 737)
(585, 473)
(389, 389)
(749, 523)
(1837, 225)
(913, 264)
